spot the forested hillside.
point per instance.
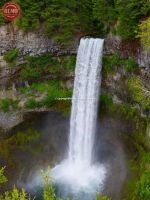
(63, 19)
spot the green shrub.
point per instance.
(106, 102)
(35, 67)
(144, 33)
(55, 92)
(29, 72)
(32, 103)
(51, 91)
(124, 110)
(11, 55)
(110, 62)
(25, 90)
(68, 63)
(34, 88)
(143, 187)
(7, 104)
(39, 60)
(130, 65)
(3, 179)
(137, 187)
(49, 192)
(15, 194)
(138, 184)
(39, 87)
(49, 100)
(102, 197)
(139, 92)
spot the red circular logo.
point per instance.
(10, 11)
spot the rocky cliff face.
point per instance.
(114, 44)
(37, 43)
(32, 43)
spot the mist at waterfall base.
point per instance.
(77, 176)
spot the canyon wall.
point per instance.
(37, 43)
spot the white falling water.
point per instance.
(85, 100)
(78, 173)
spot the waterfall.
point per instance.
(85, 100)
(77, 175)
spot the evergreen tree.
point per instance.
(129, 14)
(104, 13)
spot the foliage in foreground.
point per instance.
(102, 197)
(3, 179)
(15, 194)
(48, 192)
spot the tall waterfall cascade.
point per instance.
(77, 172)
(85, 100)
